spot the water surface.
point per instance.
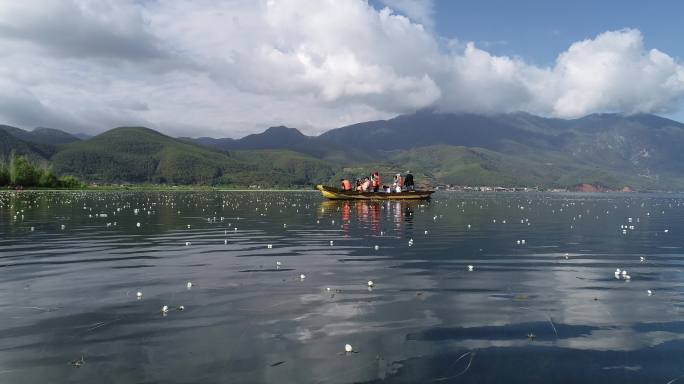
(541, 304)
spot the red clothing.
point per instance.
(346, 185)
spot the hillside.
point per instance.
(290, 139)
(642, 151)
(9, 143)
(427, 128)
(645, 145)
(281, 167)
(39, 144)
(138, 154)
(478, 166)
(40, 135)
(517, 149)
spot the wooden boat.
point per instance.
(338, 194)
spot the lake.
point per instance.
(467, 288)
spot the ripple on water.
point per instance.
(531, 312)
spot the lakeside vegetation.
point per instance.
(20, 172)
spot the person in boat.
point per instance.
(408, 182)
(376, 181)
(366, 185)
(346, 184)
(387, 188)
(398, 183)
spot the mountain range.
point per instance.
(515, 149)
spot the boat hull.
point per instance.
(337, 194)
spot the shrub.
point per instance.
(69, 182)
(22, 172)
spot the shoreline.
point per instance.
(155, 189)
(219, 189)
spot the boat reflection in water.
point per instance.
(369, 215)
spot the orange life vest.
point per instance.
(346, 185)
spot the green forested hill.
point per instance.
(640, 151)
(39, 144)
(280, 167)
(517, 149)
(477, 166)
(137, 154)
(9, 143)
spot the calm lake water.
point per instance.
(542, 304)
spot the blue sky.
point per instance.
(539, 30)
(228, 68)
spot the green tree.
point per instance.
(4, 175)
(47, 179)
(22, 172)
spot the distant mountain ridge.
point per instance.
(39, 144)
(639, 149)
(612, 150)
(41, 135)
(282, 137)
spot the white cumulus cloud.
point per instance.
(614, 72)
(228, 68)
(421, 11)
